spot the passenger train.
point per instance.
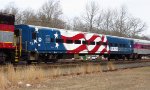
(36, 43)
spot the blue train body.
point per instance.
(120, 47)
(39, 39)
(48, 43)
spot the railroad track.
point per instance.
(129, 65)
(74, 63)
(69, 63)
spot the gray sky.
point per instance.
(71, 8)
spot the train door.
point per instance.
(18, 44)
(33, 42)
(39, 46)
(43, 38)
(33, 47)
(132, 46)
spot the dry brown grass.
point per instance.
(4, 83)
(54, 72)
(12, 76)
(89, 68)
(32, 74)
(110, 66)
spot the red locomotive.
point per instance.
(7, 46)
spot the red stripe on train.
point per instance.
(4, 27)
(6, 45)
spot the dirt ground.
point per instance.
(129, 79)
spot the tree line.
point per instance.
(116, 22)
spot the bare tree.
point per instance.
(50, 13)
(119, 25)
(90, 16)
(144, 37)
(112, 22)
(136, 27)
(125, 25)
(78, 24)
(105, 21)
(29, 17)
(12, 9)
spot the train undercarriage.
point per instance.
(124, 56)
(30, 57)
(7, 56)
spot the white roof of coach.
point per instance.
(41, 27)
(141, 41)
(135, 40)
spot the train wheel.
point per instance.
(12, 60)
(108, 58)
(139, 57)
(29, 62)
(39, 61)
(128, 58)
(2, 58)
(54, 60)
(45, 61)
(135, 56)
(124, 57)
(51, 60)
(116, 58)
(59, 56)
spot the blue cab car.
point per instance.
(120, 47)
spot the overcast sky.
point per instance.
(71, 8)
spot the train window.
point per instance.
(52, 40)
(59, 40)
(84, 42)
(116, 44)
(146, 47)
(120, 45)
(47, 39)
(33, 35)
(104, 43)
(92, 43)
(124, 45)
(77, 41)
(142, 46)
(69, 41)
(149, 47)
(97, 43)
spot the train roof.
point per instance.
(141, 41)
(120, 37)
(136, 40)
(46, 28)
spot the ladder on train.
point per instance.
(18, 48)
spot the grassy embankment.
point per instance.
(14, 77)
